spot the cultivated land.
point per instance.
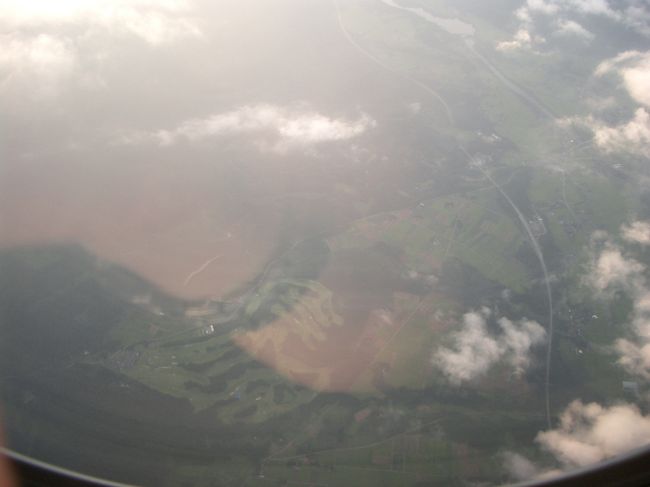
(316, 368)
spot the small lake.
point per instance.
(450, 25)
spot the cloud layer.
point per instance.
(632, 15)
(155, 22)
(633, 135)
(587, 434)
(633, 67)
(572, 28)
(278, 128)
(610, 268)
(44, 58)
(521, 468)
(44, 41)
(521, 39)
(637, 232)
(591, 433)
(475, 350)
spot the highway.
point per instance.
(450, 117)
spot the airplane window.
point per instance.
(324, 242)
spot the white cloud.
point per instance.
(637, 80)
(518, 339)
(523, 14)
(543, 6)
(473, 353)
(593, 7)
(43, 60)
(572, 28)
(587, 434)
(633, 357)
(590, 433)
(633, 14)
(45, 41)
(610, 64)
(637, 232)
(637, 17)
(42, 53)
(522, 469)
(632, 136)
(610, 269)
(156, 22)
(634, 69)
(641, 320)
(519, 467)
(284, 127)
(474, 350)
(521, 39)
(602, 8)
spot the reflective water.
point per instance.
(450, 25)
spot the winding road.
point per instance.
(547, 282)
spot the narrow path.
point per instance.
(198, 271)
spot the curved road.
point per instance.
(510, 84)
(549, 294)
